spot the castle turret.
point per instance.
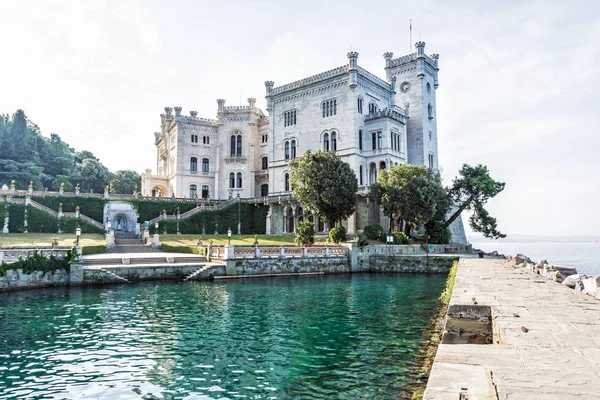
(177, 111)
(269, 89)
(221, 105)
(388, 64)
(168, 113)
(435, 58)
(420, 59)
(252, 103)
(353, 61)
(393, 90)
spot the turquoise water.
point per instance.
(336, 337)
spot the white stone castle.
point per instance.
(371, 123)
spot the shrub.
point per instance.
(337, 234)
(35, 262)
(305, 233)
(400, 237)
(167, 248)
(374, 232)
(362, 240)
(96, 249)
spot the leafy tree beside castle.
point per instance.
(325, 185)
(125, 182)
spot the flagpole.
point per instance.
(410, 44)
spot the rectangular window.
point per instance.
(289, 118)
(205, 164)
(329, 108)
(373, 140)
(205, 139)
(379, 139)
(360, 105)
(194, 138)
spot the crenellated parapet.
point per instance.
(177, 111)
(352, 64)
(396, 113)
(194, 114)
(168, 113)
(312, 79)
(220, 105)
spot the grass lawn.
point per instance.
(244, 240)
(45, 239)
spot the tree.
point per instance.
(325, 184)
(125, 182)
(57, 157)
(305, 233)
(67, 185)
(409, 194)
(470, 191)
(91, 175)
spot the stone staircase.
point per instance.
(193, 211)
(197, 272)
(126, 242)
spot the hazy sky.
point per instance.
(519, 80)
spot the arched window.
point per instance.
(239, 145)
(373, 140)
(205, 191)
(333, 141)
(287, 150)
(193, 164)
(233, 146)
(326, 141)
(264, 190)
(286, 178)
(360, 175)
(293, 149)
(193, 191)
(265, 162)
(382, 165)
(231, 180)
(372, 173)
(430, 110)
(239, 180)
(300, 214)
(360, 139)
(205, 164)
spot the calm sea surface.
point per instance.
(583, 255)
(333, 337)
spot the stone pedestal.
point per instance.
(110, 240)
(156, 240)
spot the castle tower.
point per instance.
(417, 81)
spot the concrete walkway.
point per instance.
(556, 357)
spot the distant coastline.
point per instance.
(581, 252)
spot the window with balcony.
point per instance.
(193, 164)
(372, 108)
(264, 190)
(205, 191)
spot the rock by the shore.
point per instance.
(590, 285)
(520, 258)
(571, 281)
(566, 271)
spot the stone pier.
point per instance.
(546, 339)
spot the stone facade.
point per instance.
(371, 123)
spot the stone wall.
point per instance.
(15, 279)
(419, 264)
(287, 266)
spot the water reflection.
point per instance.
(337, 336)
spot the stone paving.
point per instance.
(556, 356)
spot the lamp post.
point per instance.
(77, 233)
(390, 240)
(156, 227)
(229, 236)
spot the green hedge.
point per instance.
(85, 250)
(149, 209)
(69, 224)
(167, 248)
(251, 217)
(93, 207)
(40, 222)
(16, 218)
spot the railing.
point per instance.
(247, 252)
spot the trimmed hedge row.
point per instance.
(101, 248)
(167, 248)
(149, 209)
(252, 220)
(41, 222)
(93, 207)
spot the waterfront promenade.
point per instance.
(546, 339)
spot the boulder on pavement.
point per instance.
(571, 280)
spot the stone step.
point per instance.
(128, 241)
